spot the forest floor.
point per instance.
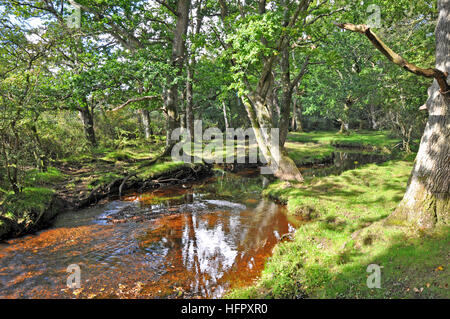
(345, 232)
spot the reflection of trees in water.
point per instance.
(234, 185)
(205, 250)
(210, 250)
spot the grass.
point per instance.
(160, 168)
(370, 139)
(329, 256)
(316, 147)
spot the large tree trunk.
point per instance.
(10, 145)
(191, 71)
(426, 202)
(178, 52)
(281, 164)
(298, 116)
(344, 126)
(87, 118)
(39, 153)
(344, 116)
(296, 124)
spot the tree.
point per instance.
(255, 43)
(426, 202)
(23, 92)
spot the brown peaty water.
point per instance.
(171, 243)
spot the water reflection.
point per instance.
(171, 243)
(206, 253)
(343, 161)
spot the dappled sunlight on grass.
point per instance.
(329, 256)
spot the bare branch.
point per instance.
(301, 74)
(441, 77)
(165, 4)
(138, 99)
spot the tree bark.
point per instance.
(178, 55)
(286, 98)
(260, 117)
(190, 98)
(225, 116)
(426, 202)
(191, 71)
(39, 153)
(145, 120)
(87, 119)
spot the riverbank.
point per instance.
(318, 147)
(328, 257)
(75, 183)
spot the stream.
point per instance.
(196, 241)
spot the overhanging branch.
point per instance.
(440, 76)
(138, 99)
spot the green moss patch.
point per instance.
(22, 212)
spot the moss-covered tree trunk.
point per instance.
(259, 114)
(426, 202)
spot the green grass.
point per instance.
(329, 255)
(160, 168)
(309, 153)
(130, 154)
(377, 139)
(316, 147)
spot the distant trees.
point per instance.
(24, 89)
(426, 202)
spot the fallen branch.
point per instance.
(441, 77)
(124, 181)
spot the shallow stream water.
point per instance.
(182, 242)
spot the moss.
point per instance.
(161, 168)
(21, 212)
(35, 177)
(309, 153)
(372, 139)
